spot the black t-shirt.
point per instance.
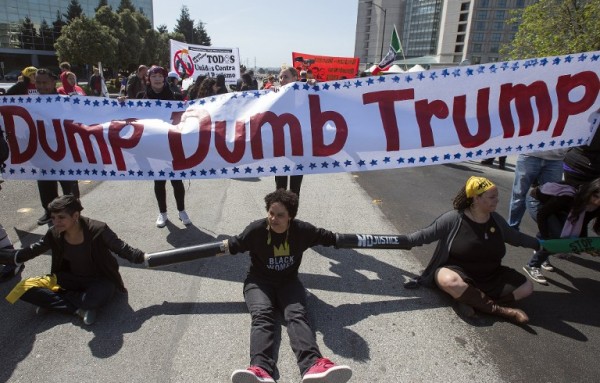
(79, 258)
(276, 257)
(478, 248)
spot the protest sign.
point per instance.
(374, 123)
(191, 61)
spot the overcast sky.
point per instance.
(268, 31)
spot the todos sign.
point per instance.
(191, 61)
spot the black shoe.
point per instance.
(488, 161)
(88, 316)
(9, 271)
(44, 219)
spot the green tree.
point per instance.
(162, 29)
(28, 34)
(185, 25)
(200, 35)
(86, 41)
(125, 4)
(105, 16)
(45, 37)
(57, 25)
(102, 3)
(74, 10)
(130, 40)
(555, 27)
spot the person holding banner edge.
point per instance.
(288, 76)
(466, 263)
(159, 90)
(562, 212)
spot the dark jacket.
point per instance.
(20, 87)
(444, 230)
(165, 94)
(103, 242)
(134, 86)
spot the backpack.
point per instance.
(3, 149)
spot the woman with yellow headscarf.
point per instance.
(467, 262)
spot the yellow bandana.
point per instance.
(29, 71)
(477, 186)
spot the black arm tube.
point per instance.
(371, 241)
(7, 256)
(185, 254)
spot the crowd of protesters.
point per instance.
(560, 190)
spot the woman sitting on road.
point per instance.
(276, 245)
(467, 261)
(562, 212)
(84, 274)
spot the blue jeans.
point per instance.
(555, 226)
(527, 170)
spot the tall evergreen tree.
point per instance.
(200, 35)
(125, 4)
(102, 3)
(28, 34)
(74, 10)
(185, 25)
(45, 37)
(57, 26)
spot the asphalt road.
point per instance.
(188, 322)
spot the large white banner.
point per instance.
(373, 123)
(191, 61)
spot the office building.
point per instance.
(437, 32)
(19, 46)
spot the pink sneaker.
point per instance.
(325, 371)
(252, 374)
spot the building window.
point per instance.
(498, 25)
(500, 15)
(462, 27)
(458, 48)
(496, 37)
(463, 17)
(484, 3)
(493, 59)
(480, 26)
(476, 48)
(460, 38)
(501, 4)
(494, 49)
(478, 36)
(520, 4)
(475, 59)
(464, 7)
(482, 15)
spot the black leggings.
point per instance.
(77, 292)
(281, 182)
(160, 190)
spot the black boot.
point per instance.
(480, 301)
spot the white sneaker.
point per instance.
(162, 219)
(183, 217)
